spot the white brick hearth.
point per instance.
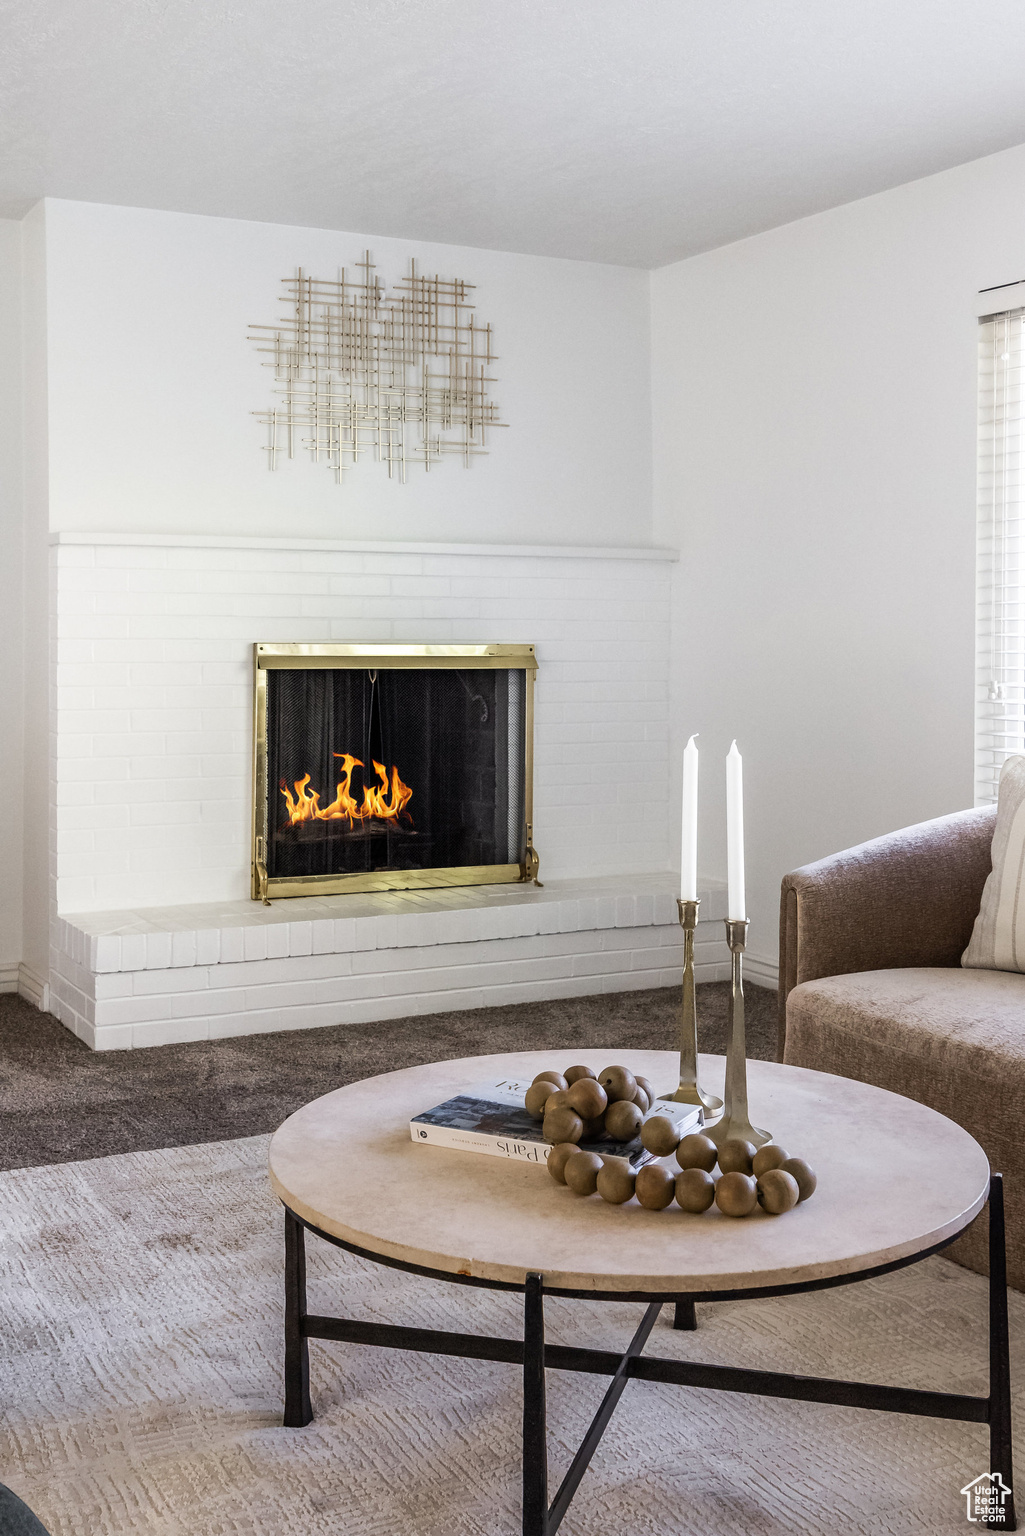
(126, 979)
(153, 937)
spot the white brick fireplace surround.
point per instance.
(153, 936)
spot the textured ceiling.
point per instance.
(633, 131)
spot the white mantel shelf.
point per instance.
(362, 546)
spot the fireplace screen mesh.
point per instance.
(384, 771)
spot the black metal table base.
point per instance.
(535, 1356)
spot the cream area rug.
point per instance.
(141, 1330)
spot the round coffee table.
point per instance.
(897, 1181)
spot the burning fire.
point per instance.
(384, 802)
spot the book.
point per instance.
(491, 1118)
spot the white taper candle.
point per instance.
(737, 906)
(689, 839)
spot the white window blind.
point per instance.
(1000, 649)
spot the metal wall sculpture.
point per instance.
(358, 370)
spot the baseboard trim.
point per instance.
(35, 989)
(760, 972)
(712, 970)
(9, 977)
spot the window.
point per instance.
(1000, 648)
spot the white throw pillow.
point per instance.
(998, 938)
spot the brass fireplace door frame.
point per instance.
(267, 658)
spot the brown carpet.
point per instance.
(60, 1102)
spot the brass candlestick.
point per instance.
(688, 1091)
(736, 1120)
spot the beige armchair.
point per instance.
(871, 987)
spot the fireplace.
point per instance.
(391, 767)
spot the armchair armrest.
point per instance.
(906, 899)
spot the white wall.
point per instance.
(152, 382)
(40, 789)
(814, 395)
(11, 644)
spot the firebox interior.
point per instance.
(406, 767)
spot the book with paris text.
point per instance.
(491, 1118)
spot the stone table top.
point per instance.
(895, 1178)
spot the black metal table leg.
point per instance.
(532, 1352)
(298, 1410)
(1000, 1461)
(684, 1315)
(535, 1437)
(581, 1461)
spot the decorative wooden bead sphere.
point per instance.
(552, 1077)
(616, 1182)
(697, 1151)
(587, 1097)
(655, 1187)
(557, 1158)
(736, 1194)
(736, 1156)
(772, 1155)
(695, 1190)
(804, 1174)
(777, 1191)
(537, 1096)
(562, 1125)
(623, 1120)
(557, 1099)
(577, 1074)
(618, 1082)
(660, 1136)
(642, 1082)
(581, 1172)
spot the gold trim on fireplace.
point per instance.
(385, 657)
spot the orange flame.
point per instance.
(384, 802)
